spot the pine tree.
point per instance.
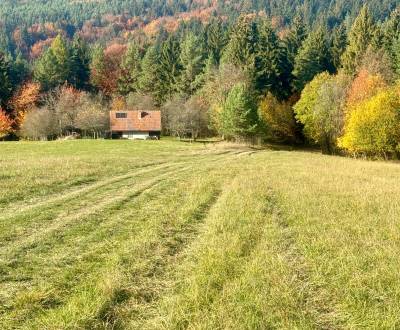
(272, 68)
(5, 84)
(338, 45)
(80, 64)
(313, 58)
(360, 37)
(130, 70)
(192, 60)
(150, 79)
(239, 116)
(241, 48)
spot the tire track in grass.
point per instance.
(315, 306)
(64, 220)
(16, 210)
(93, 249)
(32, 223)
(194, 216)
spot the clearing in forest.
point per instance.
(169, 235)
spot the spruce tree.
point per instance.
(192, 61)
(360, 37)
(241, 48)
(294, 40)
(239, 118)
(5, 84)
(97, 66)
(80, 64)
(170, 66)
(130, 70)
(272, 68)
(54, 67)
(150, 79)
(313, 58)
(338, 45)
(216, 40)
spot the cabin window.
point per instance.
(121, 115)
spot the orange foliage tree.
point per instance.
(6, 124)
(364, 86)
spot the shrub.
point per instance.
(277, 119)
(39, 124)
(373, 126)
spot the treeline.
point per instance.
(330, 85)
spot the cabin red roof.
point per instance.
(135, 120)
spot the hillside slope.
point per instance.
(164, 235)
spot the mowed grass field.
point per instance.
(169, 235)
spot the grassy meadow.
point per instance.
(169, 235)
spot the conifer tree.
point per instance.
(338, 45)
(216, 40)
(294, 40)
(54, 66)
(272, 68)
(313, 58)
(170, 66)
(241, 48)
(239, 116)
(150, 79)
(97, 66)
(360, 37)
(130, 70)
(80, 64)
(192, 60)
(5, 85)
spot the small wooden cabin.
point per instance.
(135, 124)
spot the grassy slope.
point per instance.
(145, 235)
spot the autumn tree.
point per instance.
(6, 124)
(373, 125)
(321, 109)
(277, 118)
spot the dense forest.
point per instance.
(320, 72)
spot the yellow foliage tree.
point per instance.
(278, 119)
(372, 127)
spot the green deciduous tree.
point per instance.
(321, 109)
